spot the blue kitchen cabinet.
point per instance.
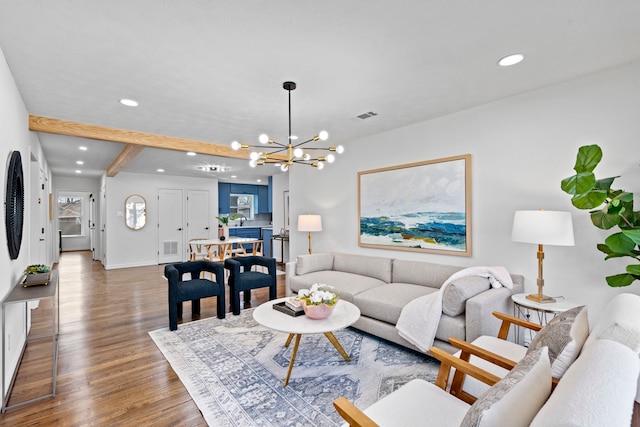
(224, 194)
(251, 232)
(270, 195)
(263, 199)
(244, 189)
(266, 241)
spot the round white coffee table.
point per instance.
(344, 314)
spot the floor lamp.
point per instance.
(542, 228)
(309, 223)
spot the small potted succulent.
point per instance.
(36, 274)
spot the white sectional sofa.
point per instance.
(382, 286)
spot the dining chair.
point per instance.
(197, 251)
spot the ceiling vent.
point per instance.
(215, 168)
(364, 116)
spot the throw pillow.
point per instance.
(516, 399)
(456, 294)
(565, 335)
(313, 262)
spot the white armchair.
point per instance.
(512, 401)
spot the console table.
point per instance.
(282, 238)
(22, 295)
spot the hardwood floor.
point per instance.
(109, 370)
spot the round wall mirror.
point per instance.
(14, 204)
(135, 208)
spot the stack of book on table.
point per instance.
(291, 306)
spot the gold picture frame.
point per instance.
(421, 207)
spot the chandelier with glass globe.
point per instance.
(271, 151)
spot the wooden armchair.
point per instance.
(422, 390)
(499, 356)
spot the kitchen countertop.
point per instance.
(250, 226)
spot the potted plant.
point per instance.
(36, 274)
(224, 224)
(609, 208)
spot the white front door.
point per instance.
(198, 215)
(171, 230)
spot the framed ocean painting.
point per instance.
(423, 206)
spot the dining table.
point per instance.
(231, 246)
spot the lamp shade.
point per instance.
(309, 223)
(543, 228)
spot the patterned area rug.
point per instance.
(234, 370)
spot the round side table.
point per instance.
(524, 308)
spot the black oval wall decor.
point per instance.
(14, 204)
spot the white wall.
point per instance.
(131, 248)
(280, 184)
(521, 147)
(15, 135)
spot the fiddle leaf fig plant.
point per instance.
(609, 208)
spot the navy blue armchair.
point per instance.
(184, 290)
(242, 278)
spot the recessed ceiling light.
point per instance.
(511, 60)
(234, 176)
(190, 153)
(82, 148)
(78, 171)
(129, 102)
(79, 162)
(160, 170)
(258, 180)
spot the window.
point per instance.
(70, 214)
(242, 204)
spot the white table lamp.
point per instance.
(542, 228)
(309, 223)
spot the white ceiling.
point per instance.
(212, 70)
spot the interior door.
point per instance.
(198, 215)
(38, 217)
(171, 232)
(93, 238)
(102, 255)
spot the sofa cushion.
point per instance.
(515, 399)
(451, 327)
(621, 313)
(456, 294)
(504, 348)
(386, 302)
(421, 273)
(564, 335)
(370, 266)
(597, 390)
(399, 408)
(313, 262)
(346, 284)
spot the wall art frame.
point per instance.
(420, 207)
(14, 204)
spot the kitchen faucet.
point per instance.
(242, 220)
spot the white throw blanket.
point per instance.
(419, 319)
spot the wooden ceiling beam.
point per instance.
(102, 133)
(123, 159)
